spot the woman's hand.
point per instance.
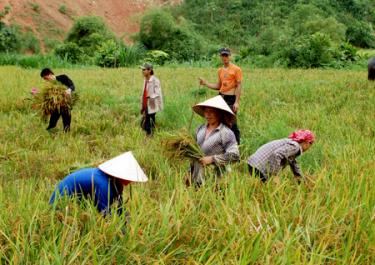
(207, 160)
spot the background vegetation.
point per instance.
(283, 33)
(331, 222)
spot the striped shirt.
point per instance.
(272, 157)
(220, 143)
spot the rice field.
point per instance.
(330, 221)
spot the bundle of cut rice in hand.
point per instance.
(181, 146)
(53, 97)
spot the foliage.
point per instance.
(156, 57)
(160, 31)
(5, 11)
(30, 43)
(63, 9)
(33, 61)
(108, 54)
(132, 55)
(310, 51)
(89, 33)
(265, 29)
(35, 7)
(361, 33)
(10, 38)
(69, 51)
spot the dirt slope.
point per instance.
(51, 19)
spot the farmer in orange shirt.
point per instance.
(229, 86)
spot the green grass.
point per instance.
(281, 222)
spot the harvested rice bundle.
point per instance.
(53, 97)
(181, 146)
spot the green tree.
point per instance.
(160, 31)
(89, 33)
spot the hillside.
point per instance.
(50, 21)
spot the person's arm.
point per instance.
(288, 152)
(236, 104)
(69, 83)
(232, 153)
(296, 169)
(65, 80)
(214, 86)
(237, 92)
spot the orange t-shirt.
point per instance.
(229, 77)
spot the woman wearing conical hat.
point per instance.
(104, 185)
(216, 140)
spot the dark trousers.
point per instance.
(230, 100)
(148, 123)
(66, 118)
(371, 74)
(256, 173)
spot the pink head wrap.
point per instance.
(302, 136)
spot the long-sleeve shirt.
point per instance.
(91, 182)
(66, 81)
(220, 143)
(272, 157)
(154, 95)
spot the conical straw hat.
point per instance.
(124, 166)
(216, 102)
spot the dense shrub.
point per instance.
(108, 54)
(89, 33)
(69, 51)
(156, 57)
(160, 31)
(30, 43)
(132, 55)
(361, 34)
(10, 38)
(310, 51)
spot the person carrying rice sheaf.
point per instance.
(272, 157)
(104, 185)
(217, 142)
(65, 112)
(229, 86)
(151, 100)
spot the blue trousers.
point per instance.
(91, 183)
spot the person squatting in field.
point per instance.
(272, 157)
(229, 86)
(104, 185)
(65, 112)
(371, 69)
(216, 140)
(151, 100)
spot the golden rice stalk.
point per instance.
(181, 145)
(53, 97)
